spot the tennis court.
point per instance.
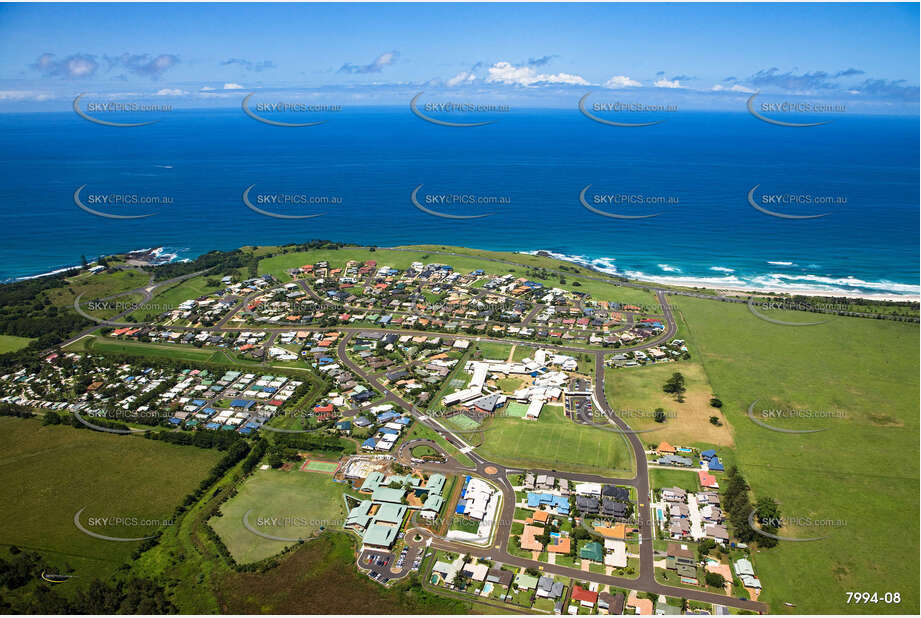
(314, 465)
(518, 410)
(463, 422)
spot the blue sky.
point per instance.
(699, 55)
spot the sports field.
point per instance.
(553, 441)
(285, 504)
(49, 473)
(462, 422)
(315, 465)
(516, 410)
(862, 469)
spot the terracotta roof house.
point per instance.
(586, 598)
(528, 542)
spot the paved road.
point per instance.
(498, 474)
(147, 291)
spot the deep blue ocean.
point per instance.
(703, 163)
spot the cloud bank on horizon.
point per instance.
(52, 68)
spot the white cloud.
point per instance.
(171, 92)
(460, 78)
(664, 83)
(232, 86)
(23, 95)
(507, 73)
(206, 88)
(733, 88)
(621, 81)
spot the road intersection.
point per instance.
(498, 473)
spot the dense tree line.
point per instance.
(737, 503)
(12, 409)
(26, 311)
(130, 596)
(221, 440)
(220, 263)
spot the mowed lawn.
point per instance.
(105, 345)
(11, 343)
(49, 473)
(287, 504)
(555, 442)
(636, 392)
(863, 469)
(94, 287)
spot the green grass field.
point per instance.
(11, 343)
(105, 345)
(97, 286)
(862, 469)
(171, 297)
(636, 392)
(420, 432)
(182, 352)
(555, 442)
(462, 422)
(321, 466)
(290, 504)
(49, 473)
(685, 479)
(516, 410)
(493, 351)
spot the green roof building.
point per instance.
(380, 536)
(386, 494)
(372, 482)
(435, 484)
(432, 505)
(358, 517)
(403, 480)
(592, 551)
(390, 513)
